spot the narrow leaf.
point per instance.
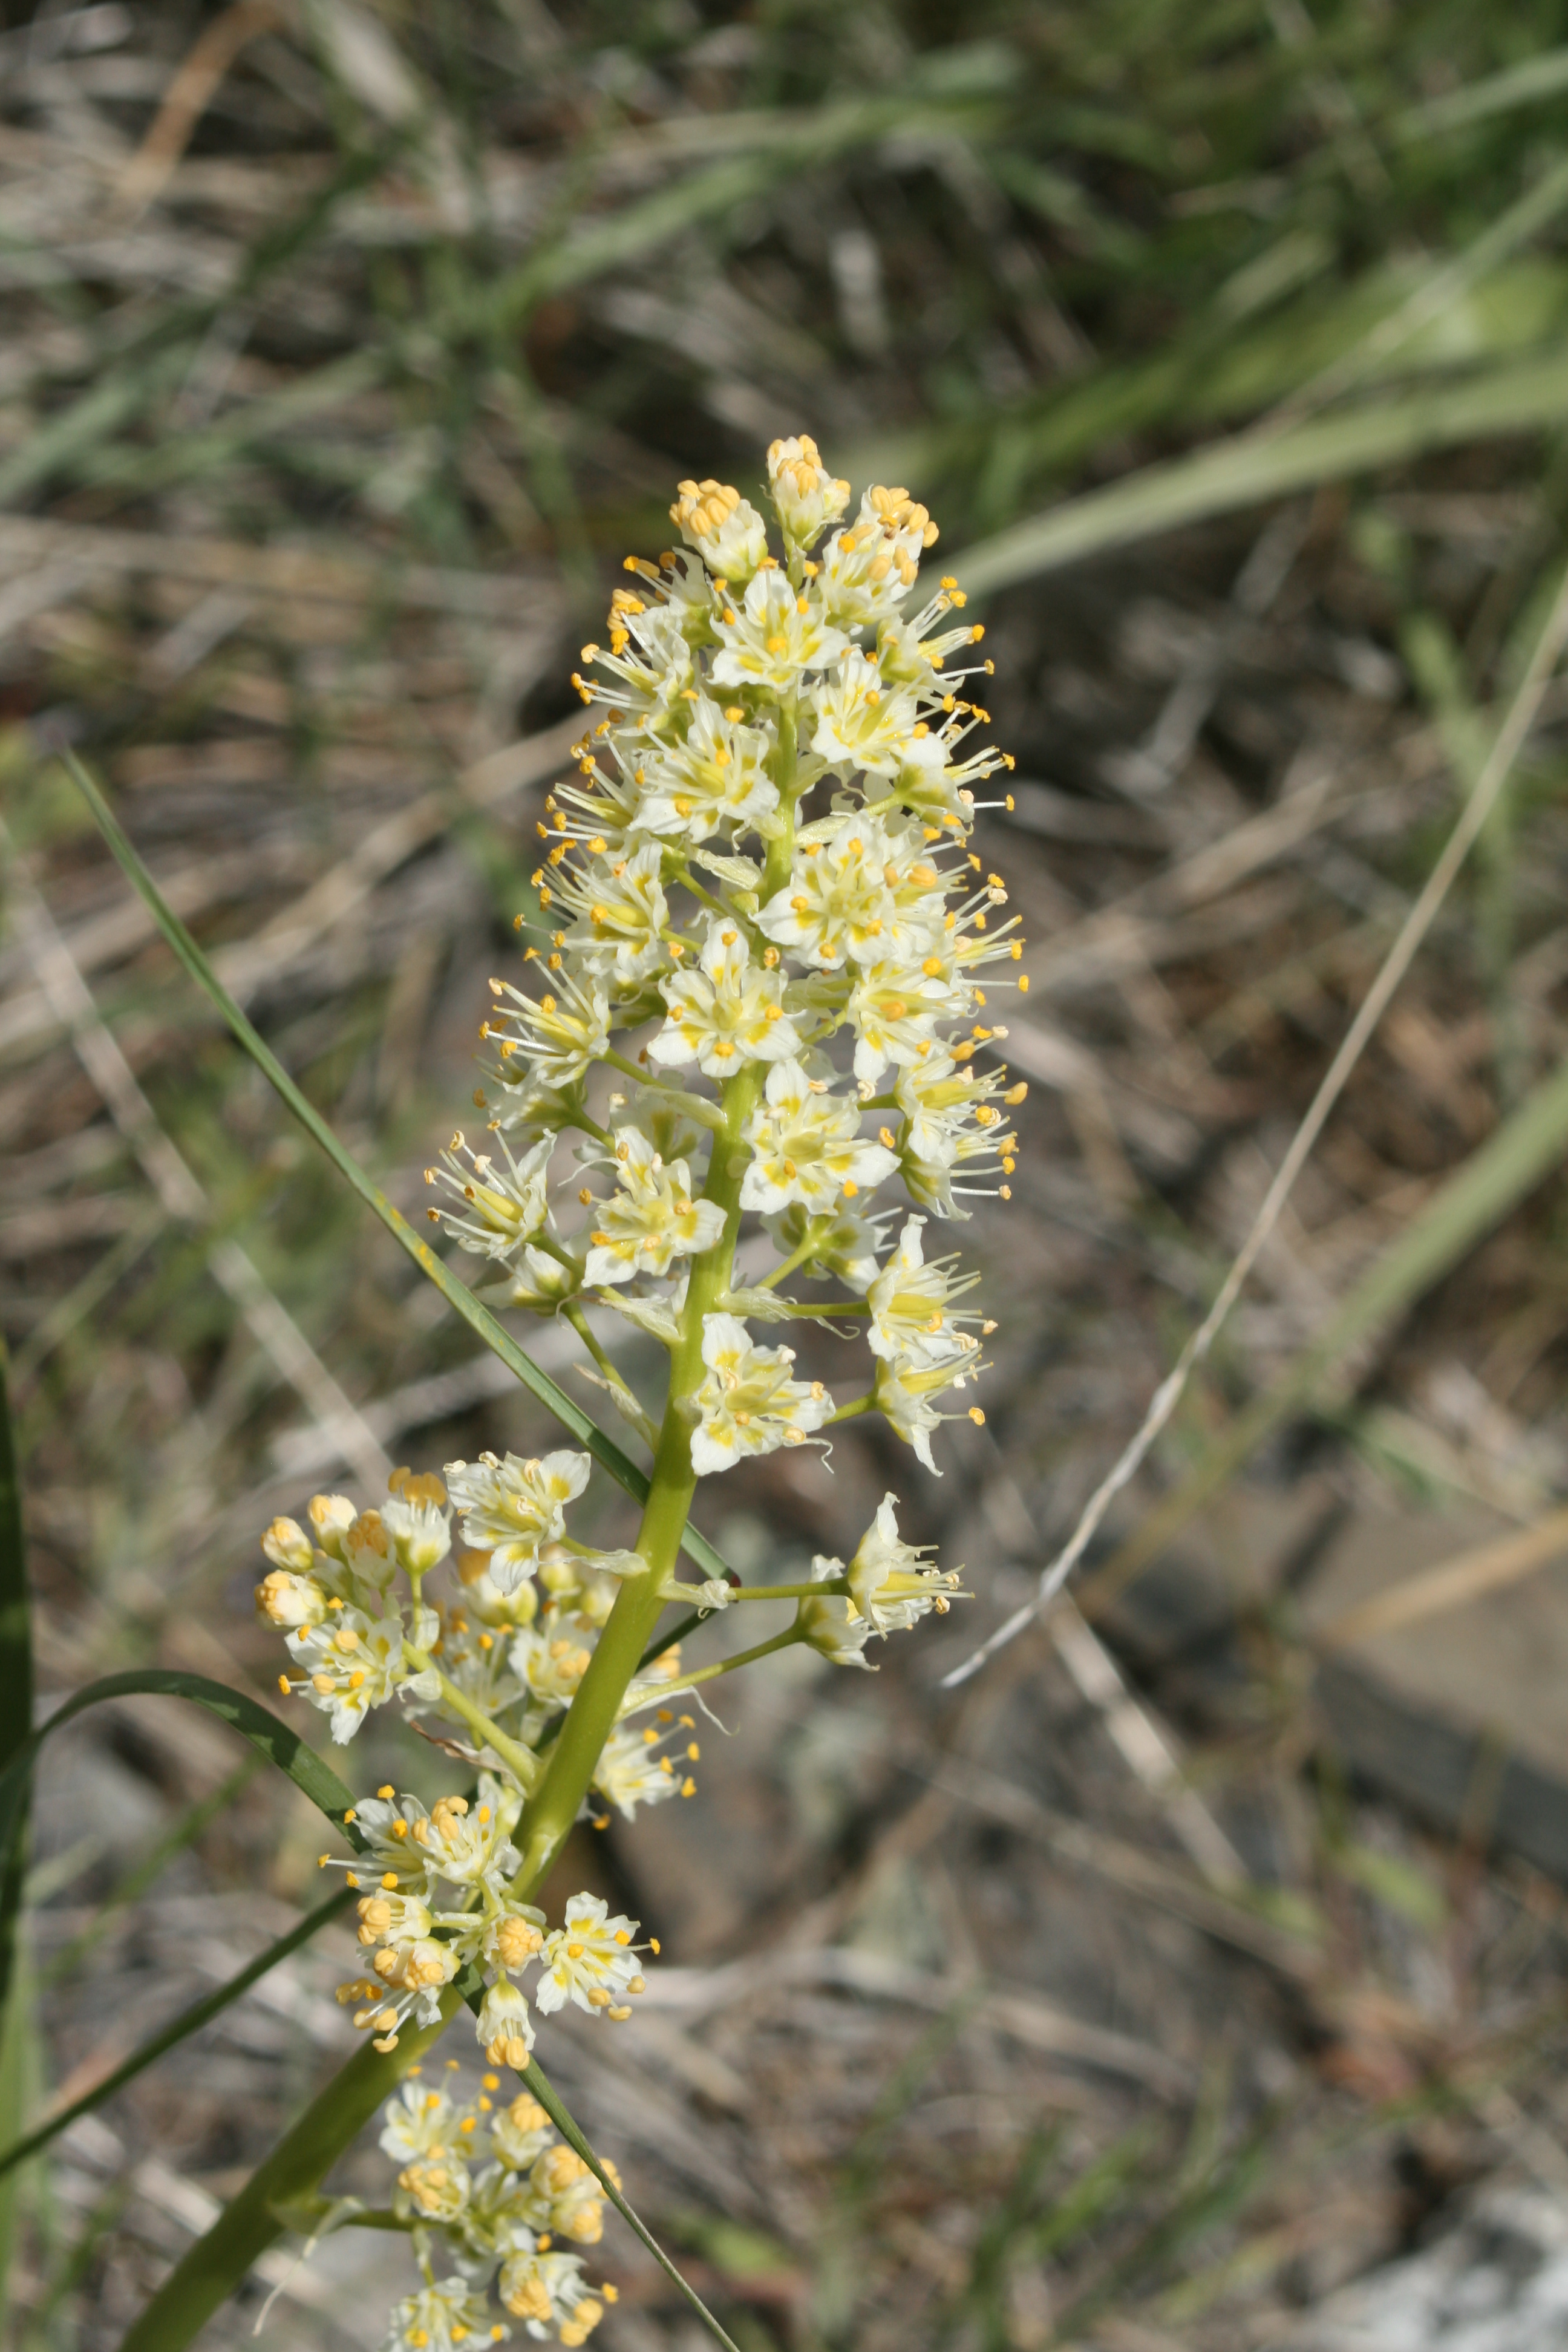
(605, 1451)
(16, 1681)
(15, 1720)
(281, 1746)
(1250, 467)
(538, 2086)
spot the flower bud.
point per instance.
(400, 1919)
(503, 2026)
(437, 2186)
(512, 1943)
(291, 1601)
(286, 1545)
(727, 531)
(805, 496)
(418, 1526)
(539, 1282)
(368, 1551)
(330, 1514)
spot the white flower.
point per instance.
(621, 914)
(630, 1772)
(568, 2198)
(894, 1008)
(652, 1218)
(829, 1623)
(503, 2027)
(291, 1601)
(542, 1283)
(590, 1960)
(471, 1845)
(933, 787)
(715, 777)
(913, 1326)
(389, 1917)
(650, 657)
(904, 1392)
(352, 1662)
(906, 656)
(775, 637)
(331, 1516)
(507, 1207)
(511, 1507)
(728, 533)
(843, 1244)
(513, 1937)
(434, 2189)
(728, 1011)
(869, 568)
(439, 2318)
(836, 903)
(805, 496)
(748, 1403)
(564, 1035)
(951, 1123)
(412, 1973)
(520, 2132)
(550, 1664)
(860, 721)
(890, 1583)
(546, 2290)
(414, 1518)
(806, 1146)
(417, 2122)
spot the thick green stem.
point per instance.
(214, 2265)
(642, 1600)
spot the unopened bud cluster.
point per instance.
(760, 958)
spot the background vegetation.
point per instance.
(1168, 1974)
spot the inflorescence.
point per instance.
(761, 885)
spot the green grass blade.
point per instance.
(208, 2273)
(1528, 83)
(279, 1745)
(18, 2070)
(15, 1681)
(179, 2028)
(605, 1451)
(538, 2086)
(1250, 469)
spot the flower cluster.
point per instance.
(755, 989)
(491, 2188)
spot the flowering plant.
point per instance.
(756, 995)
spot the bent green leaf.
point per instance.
(279, 1745)
(16, 1680)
